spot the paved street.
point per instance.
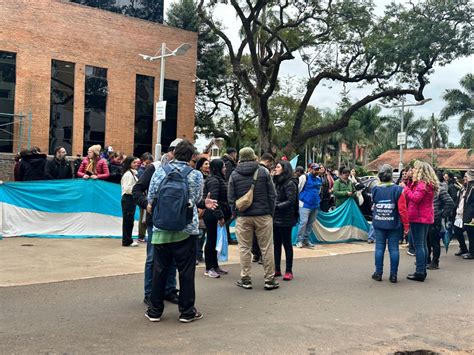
(332, 306)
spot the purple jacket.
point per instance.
(420, 202)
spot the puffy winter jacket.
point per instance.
(443, 205)
(57, 170)
(115, 171)
(32, 167)
(217, 186)
(102, 169)
(264, 195)
(286, 203)
(420, 202)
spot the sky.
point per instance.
(443, 78)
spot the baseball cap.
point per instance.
(315, 166)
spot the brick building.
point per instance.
(76, 69)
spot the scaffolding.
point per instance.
(18, 131)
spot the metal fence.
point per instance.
(15, 132)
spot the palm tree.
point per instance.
(436, 133)
(460, 102)
(390, 127)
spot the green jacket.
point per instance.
(341, 189)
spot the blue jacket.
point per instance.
(310, 193)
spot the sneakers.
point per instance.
(410, 253)
(433, 266)
(468, 256)
(309, 245)
(244, 283)
(255, 258)
(277, 274)
(141, 240)
(134, 244)
(271, 285)
(461, 253)
(185, 319)
(221, 271)
(152, 318)
(288, 276)
(299, 245)
(212, 274)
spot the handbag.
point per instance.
(246, 200)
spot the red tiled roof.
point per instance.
(455, 159)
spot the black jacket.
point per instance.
(264, 195)
(115, 172)
(453, 190)
(140, 190)
(230, 165)
(217, 186)
(443, 205)
(32, 167)
(286, 210)
(57, 170)
(468, 213)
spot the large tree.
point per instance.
(342, 41)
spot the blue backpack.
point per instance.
(171, 212)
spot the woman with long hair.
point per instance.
(420, 194)
(286, 187)
(202, 165)
(93, 166)
(216, 185)
(129, 179)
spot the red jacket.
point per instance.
(101, 168)
(420, 202)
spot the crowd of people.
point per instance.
(185, 199)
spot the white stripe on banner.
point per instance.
(326, 234)
(17, 221)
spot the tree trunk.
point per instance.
(264, 127)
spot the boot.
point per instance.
(433, 266)
(377, 277)
(416, 277)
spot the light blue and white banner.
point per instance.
(345, 224)
(61, 209)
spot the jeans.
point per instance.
(382, 236)
(411, 243)
(200, 243)
(171, 279)
(184, 254)
(307, 218)
(128, 220)
(433, 243)
(419, 232)
(282, 236)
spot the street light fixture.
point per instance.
(402, 106)
(165, 52)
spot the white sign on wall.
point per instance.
(402, 138)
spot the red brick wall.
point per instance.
(42, 30)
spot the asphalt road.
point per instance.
(332, 306)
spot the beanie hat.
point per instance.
(247, 154)
(470, 175)
(96, 149)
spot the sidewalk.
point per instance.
(28, 261)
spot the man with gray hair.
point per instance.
(390, 221)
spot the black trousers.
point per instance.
(210, 252)
(128, 214)
(255, 247)
(459, 234)
(184, 254)
(282, 236)
(433, 243)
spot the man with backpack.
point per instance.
(252, 197)
(309, 188)
(174, 193)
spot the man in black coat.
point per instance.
(58, 168)
(32, 165)
(256, 219)
(230, 162)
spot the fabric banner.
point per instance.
(75, 208)
(344, 224)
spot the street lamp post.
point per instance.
(165, 52)
(402, 123)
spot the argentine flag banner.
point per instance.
(75, 208)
